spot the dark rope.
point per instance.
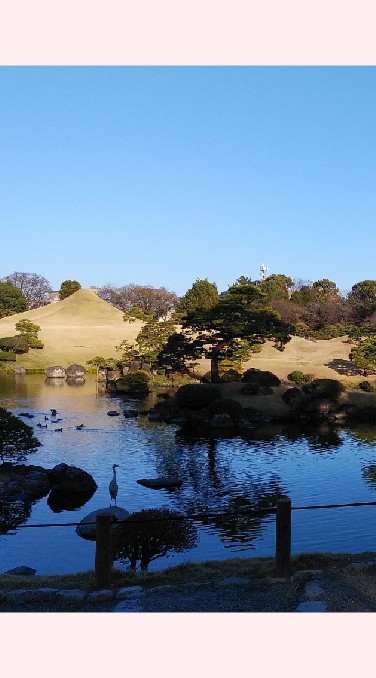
(206, 514)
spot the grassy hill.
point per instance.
(83, 325)
(73, 330)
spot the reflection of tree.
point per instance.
(16, 437)
(369, 474)
(13, 514)
(239, 523)
(321, 437)
(214, 482)
(151, 534)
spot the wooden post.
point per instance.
(283, 537)
(103, 555)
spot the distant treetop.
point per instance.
(68, 287)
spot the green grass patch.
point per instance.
(210, 570)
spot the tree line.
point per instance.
(226, 326)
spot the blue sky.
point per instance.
(162, 175)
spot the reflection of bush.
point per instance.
(369, 473)
(150, 534)
(13, 514)
(15, 437)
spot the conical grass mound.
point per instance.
(73, 330)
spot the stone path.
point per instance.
(352, 588)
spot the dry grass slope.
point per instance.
(73, 330)
(83, 325)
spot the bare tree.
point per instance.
(157, 302)
(34, 286)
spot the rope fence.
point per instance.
(209, 514)
(283, 510)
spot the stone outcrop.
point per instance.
(71, 479)
(160, 483)
(87, 526)
(55, 372)
(75, 371)
(22, 482)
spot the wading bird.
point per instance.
(113, 486)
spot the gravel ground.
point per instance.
(347, 589)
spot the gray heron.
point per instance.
(113, 486)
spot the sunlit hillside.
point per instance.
(73, 330)
(83, 325)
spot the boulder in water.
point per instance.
(87, 527)
(160, 483)
(75, 371)
(71, 479)
(55, 372)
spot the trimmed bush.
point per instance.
(262, 377)
(17, 344)
(35, 343)
(136, 380)
(7, 356)
(197, 396)
(297, 377)
(227, 406)
(363, 385)
(324, 388)
(330, 332)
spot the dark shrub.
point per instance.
(197, 396)
(324, 388)
(297, 377)
(17, 344)
(363, 385)
(293, 396)
(7, 356)
(262, 377)
(227, 406)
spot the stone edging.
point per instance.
(128, 598)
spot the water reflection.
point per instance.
(67, 501)
(75, 381)
(54, 382)
(364, 433)
(13, 514)
(214, 484)
(222, 474)
(322, 438)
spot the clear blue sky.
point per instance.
(161, 175)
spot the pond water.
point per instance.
(224, 475)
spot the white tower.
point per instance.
(263, 270)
